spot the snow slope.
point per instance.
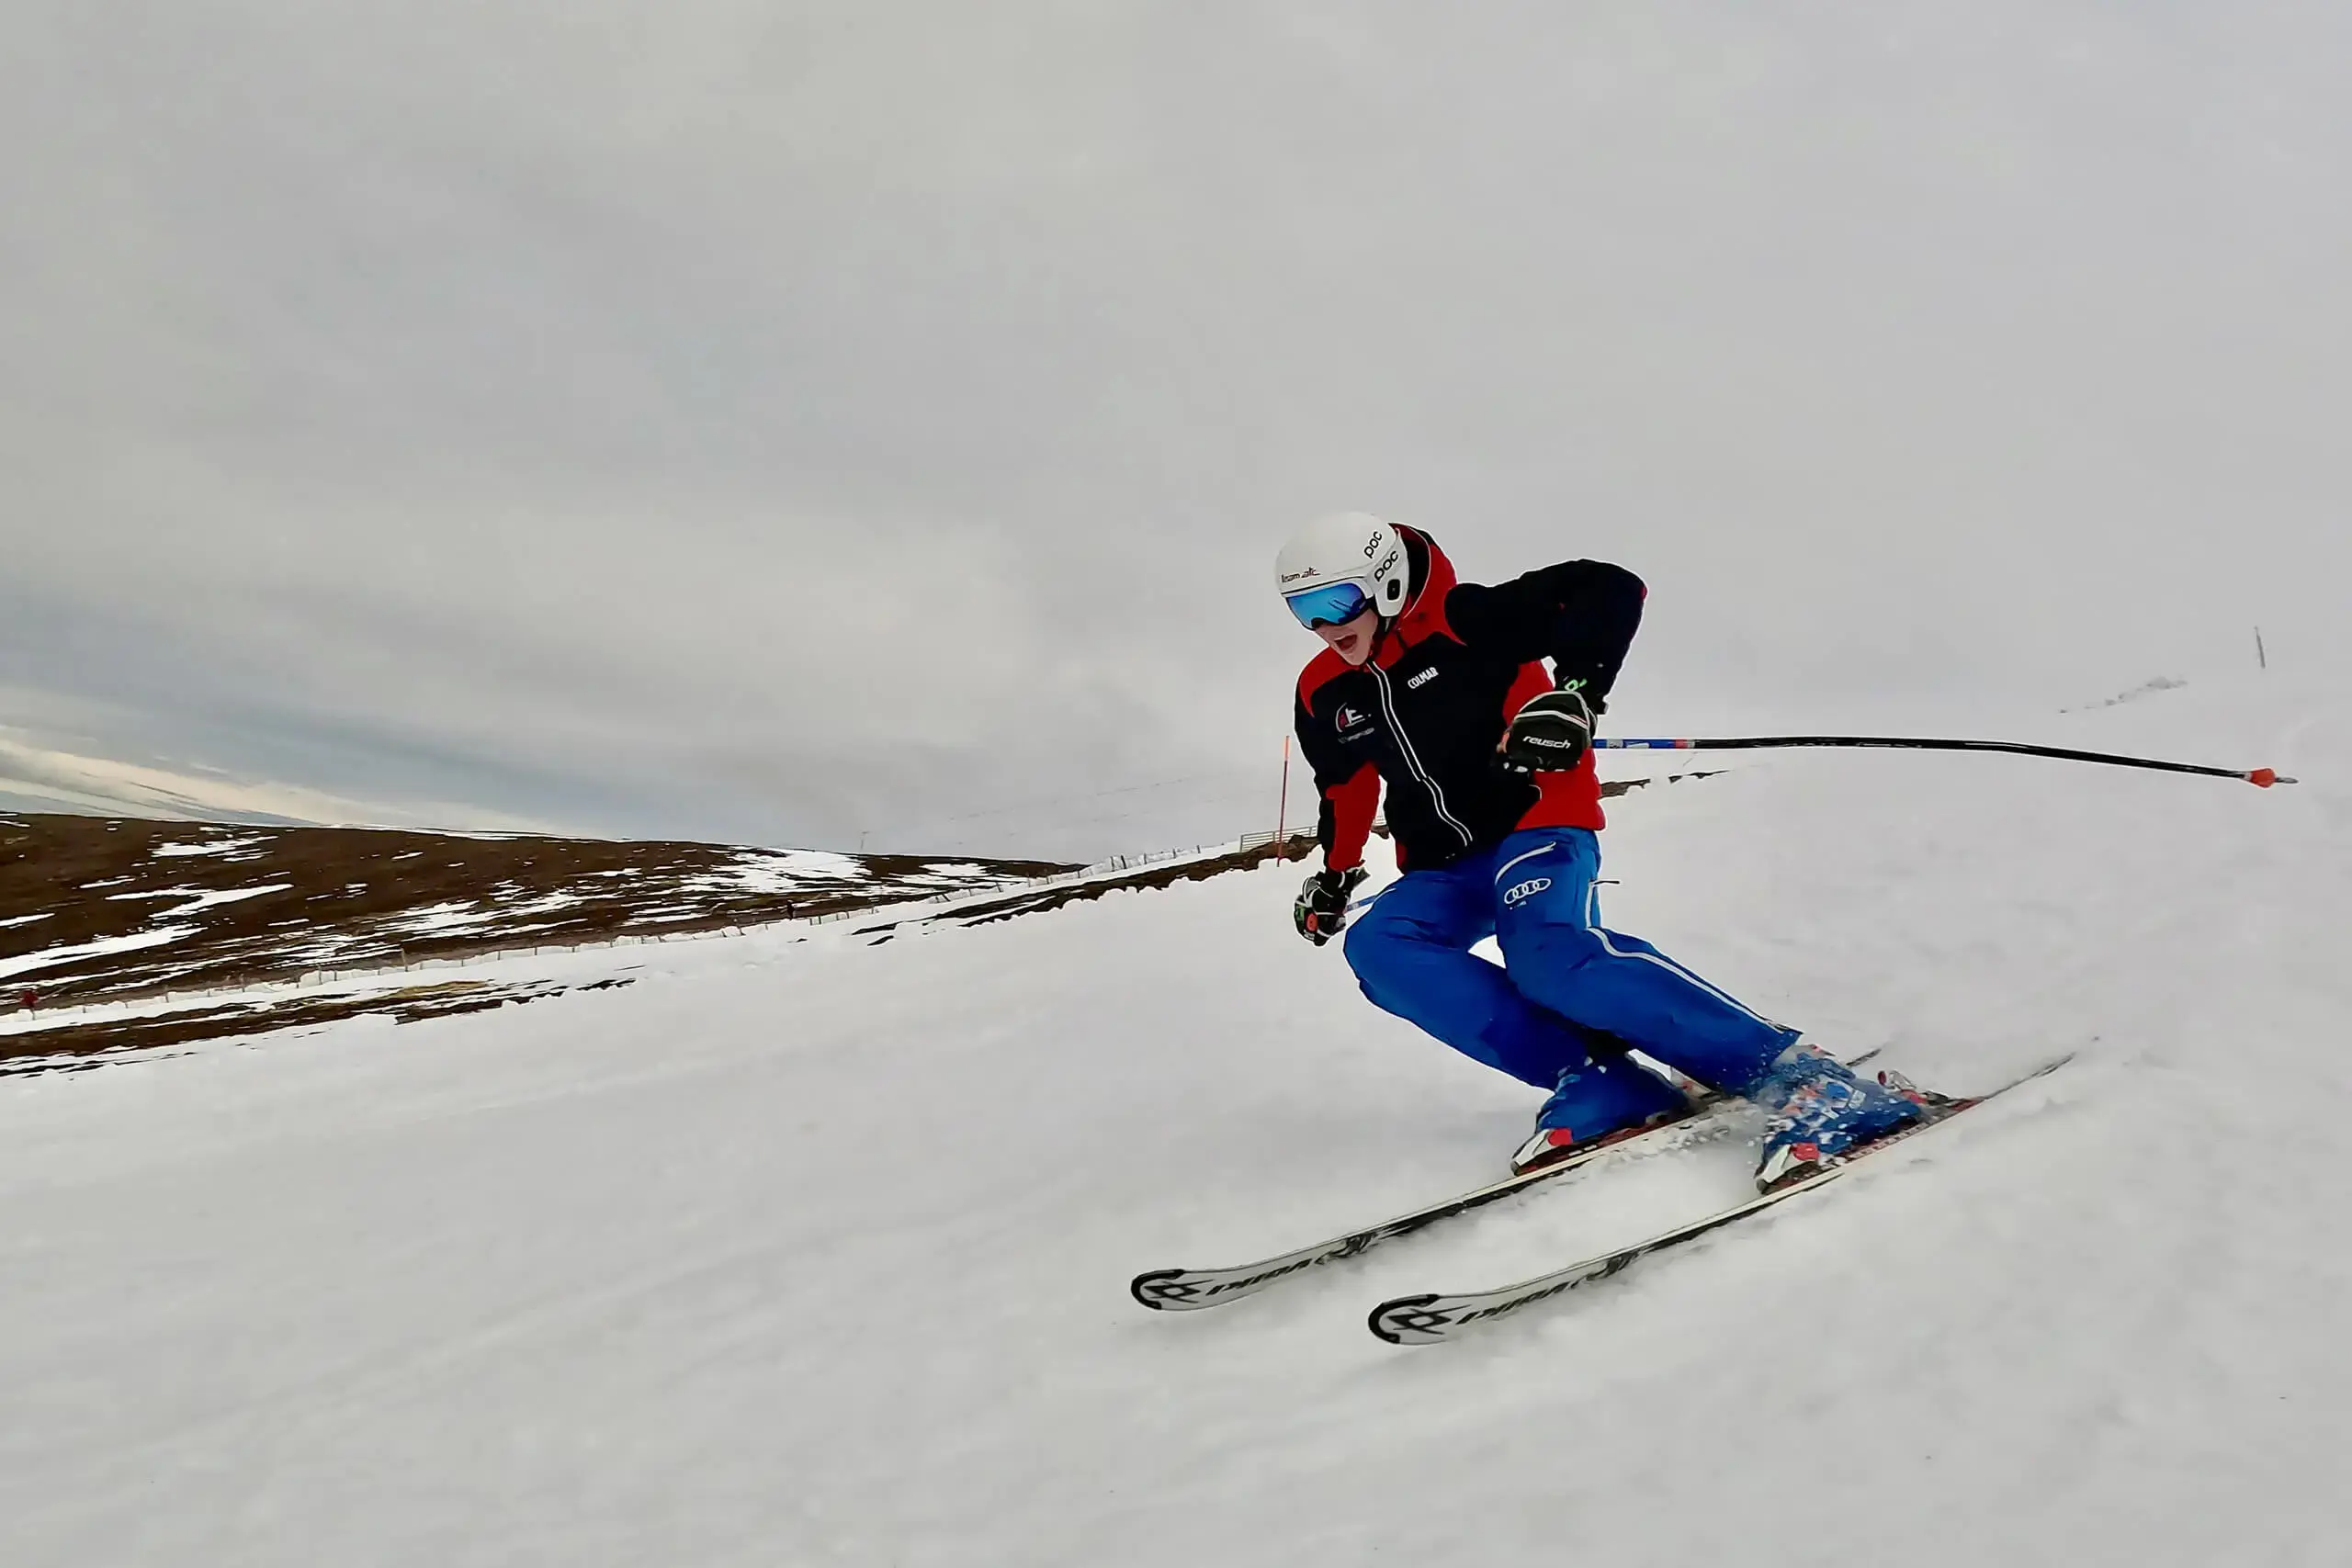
(815, 1252)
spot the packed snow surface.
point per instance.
(207, 847)
(809, 1251)
(50, 957)
(200, 897)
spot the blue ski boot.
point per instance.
(1599, 1103)
(1816, 1109)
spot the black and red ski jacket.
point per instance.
(1428, 711)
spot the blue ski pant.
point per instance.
(1563, 974)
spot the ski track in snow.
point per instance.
(811, 1251)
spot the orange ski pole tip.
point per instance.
(2263, 778)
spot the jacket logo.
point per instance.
(1350, 718)
(1423, 679)
(1525, 891)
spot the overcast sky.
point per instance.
(780, 421)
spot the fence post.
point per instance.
(1282, 810)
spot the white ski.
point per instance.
(1428, 1319)
(1190, 1290)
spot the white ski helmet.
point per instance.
(1334, 551)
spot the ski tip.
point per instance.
(1150, 1289)
(1382, 1328)
(2263, 778)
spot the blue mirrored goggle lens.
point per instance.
(1333, 605)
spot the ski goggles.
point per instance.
(1333, 605)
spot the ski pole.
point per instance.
(2262, 778)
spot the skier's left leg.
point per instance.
(1558, 955)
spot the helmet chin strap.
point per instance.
(1417, 583)
(1388, 622)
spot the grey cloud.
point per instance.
(789, 422)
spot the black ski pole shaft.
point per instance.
(2261, 777)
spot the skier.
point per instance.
(1437, 688)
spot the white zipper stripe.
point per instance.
(1412, 759)
(1592, 924)
(1531, 854)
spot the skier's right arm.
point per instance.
(1349, 792)
(1349, 788)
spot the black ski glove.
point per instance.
(1550, 735)
(1321, 912)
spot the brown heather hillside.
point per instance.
(96, 908)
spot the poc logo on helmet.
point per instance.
(1525, 891)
